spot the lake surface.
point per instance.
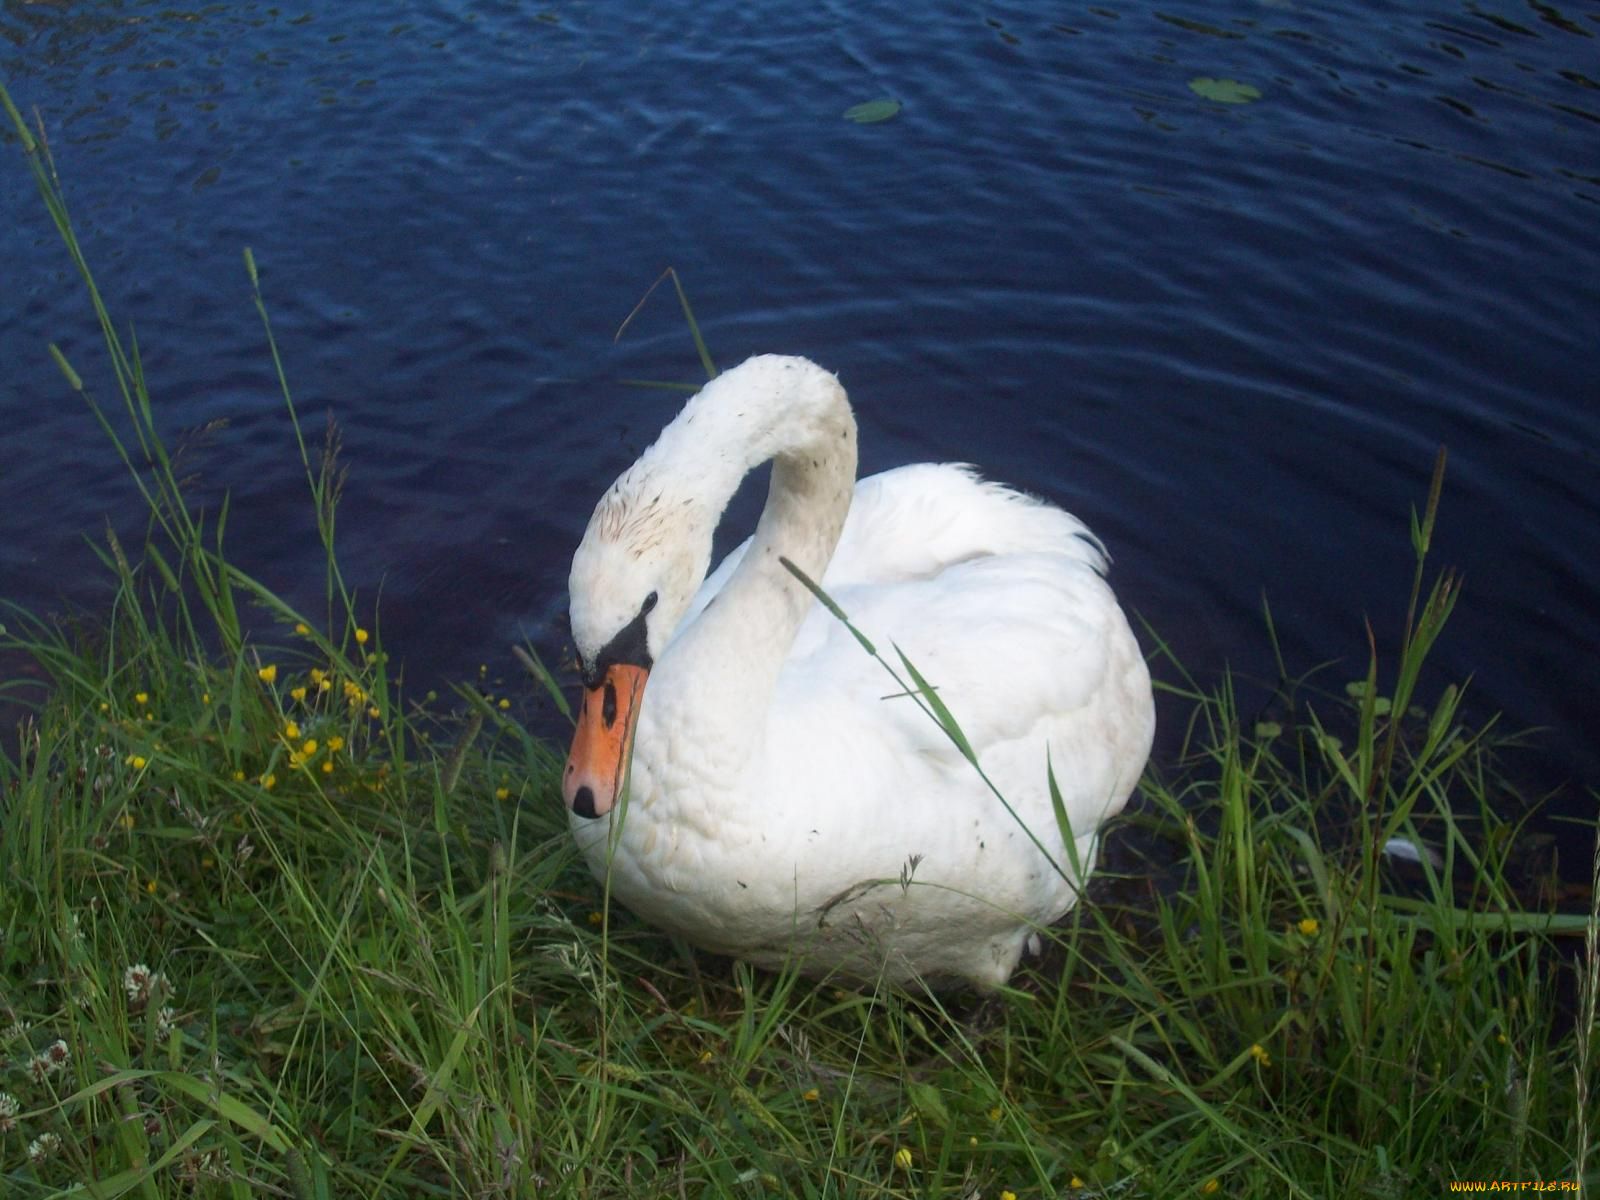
(1230, 337)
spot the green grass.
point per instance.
(380, 969)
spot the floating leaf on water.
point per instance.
(1224, 91)
(872, 111)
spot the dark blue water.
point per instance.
(1229, 337)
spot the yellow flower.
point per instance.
(299, 693)
(597, 918)
(141, 697)
(296, 759)
(502, 793)
(361, 636)
(1308, 926)
(1077, 1184)
(972, 1141)
(335, 743)
(268, 781)
(150, 886)
(994, 1114)
(353, 693)
(1008, 1195)
(327, 766)
(104, 707)
(126, 820)
(1210, 1187)
(136, 761)
(302, 628)
(505, 704)
(268, 674)
(324, 684)
(902, 1158)
(811, 1094)
(309, 748)
(706, 1056)
(373, 712)
(205, 697)
(238, 776)
(291, 730)
(1260, 1055)
(318, 674)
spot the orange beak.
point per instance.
(597, 766)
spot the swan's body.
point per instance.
(784, 802)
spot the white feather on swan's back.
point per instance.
(914, 521)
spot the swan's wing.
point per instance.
(1030, 653)
(1000, 602)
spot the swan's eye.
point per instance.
(649, 603)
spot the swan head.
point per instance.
(634, 574)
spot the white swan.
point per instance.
(783, 802)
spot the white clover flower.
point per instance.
(43, 1146)
(137, 981)
(9, 1108)
(47, 1062)
(166, 1021)
(143, 985)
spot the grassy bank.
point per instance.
(269, 928)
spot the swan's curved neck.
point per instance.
(724, 666)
